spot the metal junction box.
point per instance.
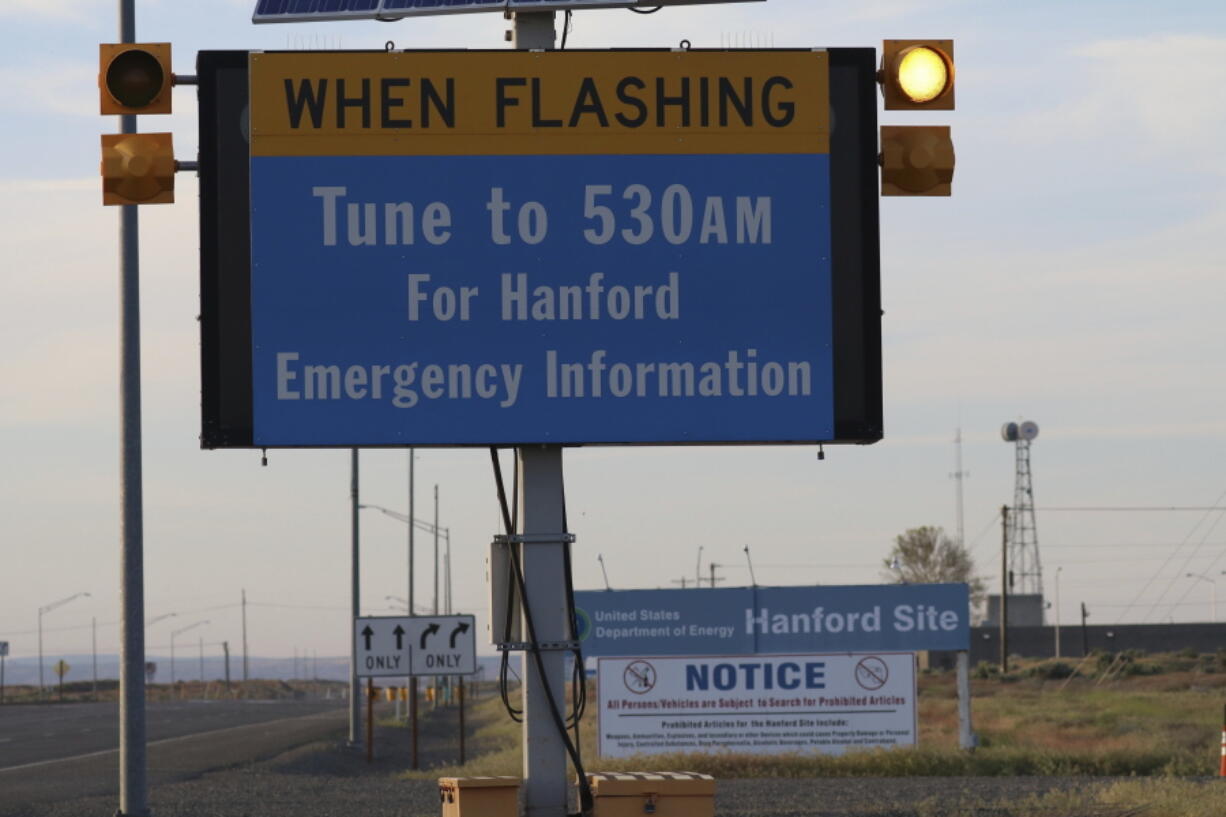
(664, 794)
(479, 796)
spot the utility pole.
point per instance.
(355, 686)
(413, 761)
(93, 623)
(680, 581)
(753, 580)
(698, 569)
(412, 524)
(1004, 589)
(1058, 569)
(959, 475)
(225, 648)
(436, 549)
(1085, 639)
(713, 579)
(245, 676)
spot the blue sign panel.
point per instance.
(681, 298)
(745, 620)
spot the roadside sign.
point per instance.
(759, 704)
(760, 620)
(4, 649)
(61, 668)
(416, 645)
(473, 248)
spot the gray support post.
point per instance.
(540, 513)
(133, 761)
(541, 517)
(966, 732)
(355, 686)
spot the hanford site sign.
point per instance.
(763, 620)
(473, 248)
(757, 704)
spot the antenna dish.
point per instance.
(1008, 432)
(1028, 430)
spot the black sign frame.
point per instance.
(225, 253)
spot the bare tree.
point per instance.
(927, 556)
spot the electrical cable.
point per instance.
(505, 664)
(646, 11)
(565, 30)
(586, 800)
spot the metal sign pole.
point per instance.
(133, 764)
(541, 515)
(966, 733)
(541, 512)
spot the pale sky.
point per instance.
(1075, 278)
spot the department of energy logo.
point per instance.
(872, 673)
(583, 624)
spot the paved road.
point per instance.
(60, 752)
(30, 734)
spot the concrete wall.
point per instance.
(1040, 642)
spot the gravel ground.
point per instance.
(266, 791)
(329, 780)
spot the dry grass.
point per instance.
(1151, 725)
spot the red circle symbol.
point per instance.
(872, 673)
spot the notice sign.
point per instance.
(761, 704)
(476, 248)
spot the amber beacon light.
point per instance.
(917, 75)
(134, 78)
(138, 168)
(916, 160)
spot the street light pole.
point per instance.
(47, 608)
(174, 633)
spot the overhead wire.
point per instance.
(1175, 553)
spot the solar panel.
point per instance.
(309, 11)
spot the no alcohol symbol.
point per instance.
(872, 673)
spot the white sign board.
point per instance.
(762, 704)
(4, 648)
(416, 645)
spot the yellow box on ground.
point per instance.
(664, 794)
(479, 796)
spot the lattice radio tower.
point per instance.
(1025, 569)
